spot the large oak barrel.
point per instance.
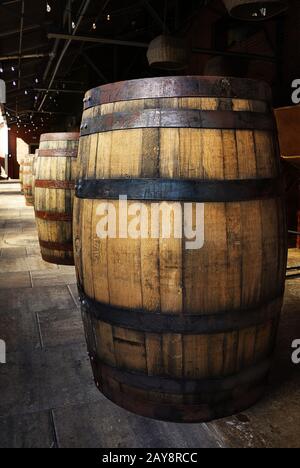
(178, 331)
(27, 179)
(255, 10)
(54, 195)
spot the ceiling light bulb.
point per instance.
(13, 69)
(94, 26)
(108, 17)
(48, 8)
(73, 25)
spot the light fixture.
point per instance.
(94, 26)
(36, 80)
(73, 25)
(14, 83)
(48, 8)
(1, 69)
(108, 17)
(12, 69)
(26, 92)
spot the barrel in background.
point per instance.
(177, 334)
(21, 175)
(54, 193)
(27, 179)
(34, 165)
(288, 124)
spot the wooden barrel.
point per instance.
(34, 165)
(54, 195)
(288, 124)
(178, 331)
(21, 176)
(167, 53)
(255, 10)
(27, 179)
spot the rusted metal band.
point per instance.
(142, 320)
(178, 87)
(58, 153)
(55, 184)
(169, 118)
(183, 386)
(49, 216)
(65, 247)
(58, 260)
(184, 190)
(59, 136)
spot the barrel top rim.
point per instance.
(178, 86)
(295, 107)
(59, 136)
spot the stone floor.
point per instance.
(47, 395)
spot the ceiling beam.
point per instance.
(161, 23)
(13, 32)
(65, 91)
(94, 67)
(82, 13)
(27, 49)
(56, 44)
(24, 56)
(21, 42)
(228, 53)
(98, 40)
